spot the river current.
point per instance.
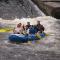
(44, 49)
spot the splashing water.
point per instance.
(23, 13)
(51, 27)
(47, 43)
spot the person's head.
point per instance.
(38, 22)
(19, 25)
(28, 23)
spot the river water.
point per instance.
(47, 48)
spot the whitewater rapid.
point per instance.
(50, 42)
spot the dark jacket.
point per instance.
(40, 28)
(28, 26)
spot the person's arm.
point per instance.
(23, 27)
(26, 27)
(43, 28)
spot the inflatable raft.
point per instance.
(24, 38)
(5, 29)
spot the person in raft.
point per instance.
(40, 28)
(28, 27)
(18, 29)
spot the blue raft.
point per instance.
(24, 38)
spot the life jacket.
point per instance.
(32, 30)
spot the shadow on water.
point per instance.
(10, 9)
